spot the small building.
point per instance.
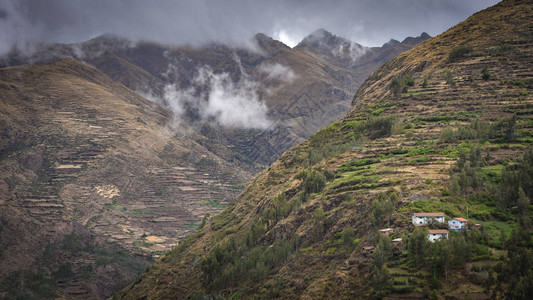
(458, 223)
(422, 219)
(386, 231)
(368, 249)
(397, 241)
(437, 234)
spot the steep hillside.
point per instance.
(445, 127)
(94, 181)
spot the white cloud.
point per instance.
(279, 72)
(351, 49)
(216, 97)
(235, 104)
(286, 39)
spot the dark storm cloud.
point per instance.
(370, 22)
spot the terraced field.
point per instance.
(85, 156)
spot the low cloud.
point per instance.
(234, 104)
(25, 23)
(279, 72)
(216, 97)
(349, 49)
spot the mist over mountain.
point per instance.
(27, 23)
(273, 96)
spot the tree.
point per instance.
(425, 83)
(381, 251)
(348, 236)
(523, 201)
(318, 216)
(418, 246)
(380, 275)
(485, 74)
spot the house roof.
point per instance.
(438, 231)
(461, 219)
(425, 214)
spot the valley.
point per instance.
(443, 128)
(97, 181)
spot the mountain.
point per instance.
(304, 88)
(444, 127)
(95, 179)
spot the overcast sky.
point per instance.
(368, 22)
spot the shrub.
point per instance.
(400, 85)
(315, 182)
(348, 236)
(448, 76)
(485, 74)
(460, 52)
(425, 83)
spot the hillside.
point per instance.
(445, 127)
(95, 181)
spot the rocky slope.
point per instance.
(95, 180)
(443, 127)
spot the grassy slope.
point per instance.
(410, 160)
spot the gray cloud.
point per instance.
(369, 22)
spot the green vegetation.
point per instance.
(312, 182)
(325, 143)
(144, 244)
(233, 261)
(459, 53)
(382, 207)
(504, 129)
(401, 84)
(50, 272)
(448, 77)
(355, 165)
(485, 75)
(211, 203)
(377, 127)
(380, 275)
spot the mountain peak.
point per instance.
(328, 45)
(416, 40)
(269, 44)
(321, 38)
(390, 43)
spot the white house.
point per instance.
(421, 219)
(457, 223)
(386, 231)
(437, 234)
